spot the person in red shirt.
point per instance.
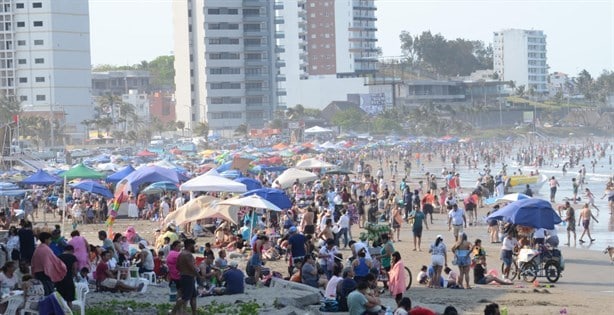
(106, 278)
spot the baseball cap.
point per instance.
(233, 263)
(292, 229)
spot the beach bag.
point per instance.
(329, 305)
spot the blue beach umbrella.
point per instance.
(275, 196)
(531, 212)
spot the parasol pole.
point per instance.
(64, 204)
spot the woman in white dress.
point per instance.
(133, 210)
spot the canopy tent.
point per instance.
(289, 176)
(224, 212)
(146, 153)
(93, 187)
(253, 201)
(147, 174)
(191, 211)
(207, 182)
(316, 130)
(313, 163)
(276, 196)
(10, 189)
(121, 174)
(81, 171)
(250, 183)
(40, 178)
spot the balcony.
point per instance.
(280, 49)
(281, 92)
(280, 78)
(247, 3)
(255, 32)
(365, 18)
(279, 20)
(262, 47)
(280, 34)
(256, 91)
(256, 62)
(278, 5)
(280, 63)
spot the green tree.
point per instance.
(181, 126)
(586, 85)
(157, 125)
(351, 119)
(277, 123)
(162, 70)
(242, 130)
(520, 91)
(8, 108)
(604, 86)
(201, 130)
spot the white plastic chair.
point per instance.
(13, 303)
(151, 276)
(82, 290)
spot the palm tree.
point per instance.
(180, 125)
(9, 107)
(157, 125)
(106, 105)
(201, 130)
(127, 112)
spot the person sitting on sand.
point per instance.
(106, 277)
(452, 277)
(233, 280)
(423, 276)
(480, 276)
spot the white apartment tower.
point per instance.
(520, 56)
(225, 63)
(329, 45)
(45, 58)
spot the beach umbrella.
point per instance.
(40, 178)
(231, 174)
(224, 212)
(250, 183)
(317, 130)
(146, 153)
(508, 197)
(339, 172)
(276, 196)
(313, 163)
(289, 176)
(10, 189)
(532, 212)
(119, 175)
(253, 201)
(94, 187)
(160, 187)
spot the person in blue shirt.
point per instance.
(296, 247)
(233, 279)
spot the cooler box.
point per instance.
(526, 254)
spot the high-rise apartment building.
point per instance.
(45, 58)
(225, 63)
(328, 46)
(520, 56)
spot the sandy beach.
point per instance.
(586, 285)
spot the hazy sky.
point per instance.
(580, 33)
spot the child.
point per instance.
(404, 305)
(160, 267)
(82, 276)
(452, 277)
(423, 277)
(208, 253)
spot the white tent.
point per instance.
(289, 176)
(207, 182)
(253, 201)
(317, 129)
(313, 163)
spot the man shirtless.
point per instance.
(307, 226)
(585, 220)
(189, 272)
(255, 260)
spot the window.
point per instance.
(40, 79)
(225, 11)
(39, 60)
(20, 6)
(23, 80)
(37, 5)
(41, 97)
(225, 100)
(22, 61)
(21, 43)
(254, 86)
(21, 24)
(223, 26)
(38, 23)
(225, 85)
(252, 42)
(223, 55)
(225, 70)
(251, 12)
(226, 115)
(39, 42)
(23, 98)
(223, 41)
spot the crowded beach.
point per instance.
(395, 226)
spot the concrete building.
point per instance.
(162, 105)
(328, 46)
(119, 82)
(225, 63)
(45, 58)
(520, 56)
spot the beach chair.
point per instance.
(81, 293)
(13, 303)
(150, 276)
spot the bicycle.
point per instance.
(382, 274)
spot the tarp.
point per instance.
(121, 174)
(207, 182)
(93, 187)
(147, 174)
(81, 171)
(250, 183)
(317, 129)
(40, 178)
(193, 210)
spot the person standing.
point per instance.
(507, 250)
(396, 276)
(570, 218)
(585, 219)
(26, 241)
(439, 259)
(344, 227)
(591, 198)
(456, 219)
(187, 282)
(553, 183)
(462, 251)
(575, 186)
(427, 204)
(397, 221)
(46, 267)
(419, 218)
(66, 286)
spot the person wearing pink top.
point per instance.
(171, 261)
(46, 267)
(81, 246)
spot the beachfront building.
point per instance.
(119, 82)
(225, 63)
(520, 56)
(328, 47)
(45, 59)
